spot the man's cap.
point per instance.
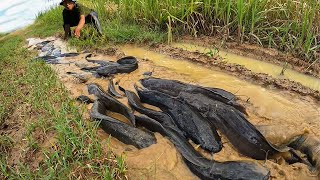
(67, 0)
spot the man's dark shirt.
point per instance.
(73, 17)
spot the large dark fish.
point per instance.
(100, 62)
(112, 89)
(309, 145)
(90, 68)
(226, 118)
(112, 104)
(123, 65)
(69, 54)
(84, 99)
(107, 68)
(186, 118)
(161, 117)
(200, 166)
(240, 132)
(122, 131)
(173, 88)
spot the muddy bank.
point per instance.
(237, 70)
(257, 52)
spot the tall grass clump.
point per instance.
(291, 26)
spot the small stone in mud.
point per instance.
(149, 73)
(111, 51)
(81, 65)
(282, 173)
(129, 148)
(81, 78)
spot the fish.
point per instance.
(161, 117)
(173, 88)
(112, 104)
(187, 119)
(243, 135)
(100, 62)
(84, 99)
(125, 133)
(112, 89)
(199, 165)
(124, 65)
(309, 145)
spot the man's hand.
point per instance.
(77, 32)
(80, 26)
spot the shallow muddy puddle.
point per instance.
(256, 65)
(162, 160)
(276, 106)
(267, 107)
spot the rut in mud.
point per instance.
(237, 70)
(162, 161)
(256, 66)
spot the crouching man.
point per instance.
(75, 14)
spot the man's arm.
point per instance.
(80, 26)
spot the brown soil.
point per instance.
(257, 52)
(237, 70)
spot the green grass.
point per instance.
(34, 100)
(115, 29)
(3, 34)
(116, 32)
(289, 26)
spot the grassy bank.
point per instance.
(42, 131)
(115, 29)
(290, 26)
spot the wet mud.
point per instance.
(257, 52)
(237, 70)
(298, 114)
(283, 71)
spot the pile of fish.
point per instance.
(50, 51)
(124, 65)
(187, 112)
(190, 112)
(53, 51)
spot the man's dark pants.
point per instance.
(71, 19)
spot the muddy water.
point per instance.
(276, 106)
(267, 108)
(257, 66)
